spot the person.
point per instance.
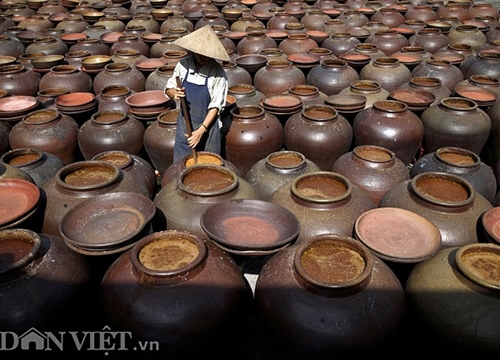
(204, 85)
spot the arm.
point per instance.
(197, 134)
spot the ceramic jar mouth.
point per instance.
(109, 117)
(18, 247)
(443, 189)
(386, 62)
(374, 154)
(333, 63)
(459, 104)
(321, 187)
(64, 69)
(286, 160)
(52, 92)
(366, 47)
(457, 157)
(279, 64)
(364, 86)
(169, 117)
(207, 180)
(203, 158)
(488, 55)
(331, 261)
(241, 89)
(303, 90)
(480, 263)
(87, 175)
(168, 254)
(319, 113)
(111, 91)
(484, 80)
(22, 158)
(120, 159)
(11, 69)
(117, 67)
(423, 81)
(40, 117)
(390, 106)
(247, 112)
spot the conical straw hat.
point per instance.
(204, 41)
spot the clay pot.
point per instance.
(73, 24)
(66, 77)
(431, 39)
(38, 165)
(81, 180)
(253, 135)
(48, 45)
(19, 80)
(447, 200)
(119, 74)
(296, 278)
(236, 74)
(279, 20)
(371, 90)
(340, 43)
(449, 74)
(48, 131)
(324, 202)
(389, 41)
(277, 77)
(331, 76)
(319, 133)
(455, 122)
(297, 44)
(371, 126)
(183, 201)
(93, 46)
(39, 257)
(308, 94)
(463, 163)
(467, 34)
(443, 318)
(485, 63)
(130, 42)
(113, 97)
(389, 72)
(245, 94)
(423, 13)
(430, 84)
(185, 283)
(11, 47)
(390, 17)
(374, 169)
(110, 130)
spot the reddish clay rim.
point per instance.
(120, 159)
(166, 235)
(334, 240)
(360, 151)
(328, 174)
(476, 269)
(491, 223)
(25, 193)
(23, 235)
(109, 116)
(74, 167)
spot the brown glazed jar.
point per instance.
(389, 72)
(449, 74)
(66, 77)
(371, 90)
(245, 94)
(130, 42)
(464, 271)
(319, 133)
(310, 296)
(19, 80)
(11, 46)
(253, 135)
(113, 97)
(431, 39)
(371, 126)
(254, 42)
(463, 163)
(158, 79)
(159, 139)
(340, 43)
(276, 77)
(447, 200)
(48, 45)
(308, 94)
(297, 44)
(373, 169)
(119, 74)
(236, 74)
(183, 201)
(93, 46)
(389, 41)
(456, 122)
(331, 76)
(324, 203)
(79, 181)
(467, 34)
(178, 276)
(110, 130)
(430, 84)
(484, 63)
(29, 260)
(277, 169)
(48, 131)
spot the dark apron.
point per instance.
(199, 96)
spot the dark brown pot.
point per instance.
(254, 42)
(331, 76)
(297, 279)
(48, 131)
(297, 44)
(449, 74)
(455, 122)
(93, 46)
(113, 97)
(196, 277)
(447, 200)
(66, 77)
(430, 84)
(81, 180)
(485, 63)
(277, 77)
(340, 43)
(18, 80)
(308, 94)
(389, 72)
(11, 47)
(110, 130)
(45, 266)
(236, 74)
(119, 74)
(48, 45)
(253, 134)
(183, 201)
(130, 42)
(389, 41)
(431, 39)
(374, 169)
(158, 79)
(371, 126)
(319, 133)
(324, 202)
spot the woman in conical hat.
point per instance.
(204, 85)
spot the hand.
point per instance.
(179, 92)
(195, 137)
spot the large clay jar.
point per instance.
(40, 166)
(340, 43)
(449, 74)
(159, 139)
(297, 44)
(276, 77)
(447, 200)
(389, 124)
(236, 74)
(113, 97)
(48, 131)
(48, 45)
(390, 17)
(66, 77)
(431, 39)
(463, 163)
(82, 180)
(371, 90)
(331, 76)
(158, 79)
(245, 94)
(277, 169)
(130, 42)
(466, 273)
(183, 201)
(389, 41)
(374, 169)
(456, 122)
(253, 134)
(319, 133)
(19, 80)
(308, 94)
(93, 46)
(11, 47)
(324, 202)
(484, 63)
(430, 84)
(119, 74)
(165, 43)
(310, 296)
(110, 130)
(254, 42)
(165, 282)
(389, 72)
(44, 266)
(467, 34)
